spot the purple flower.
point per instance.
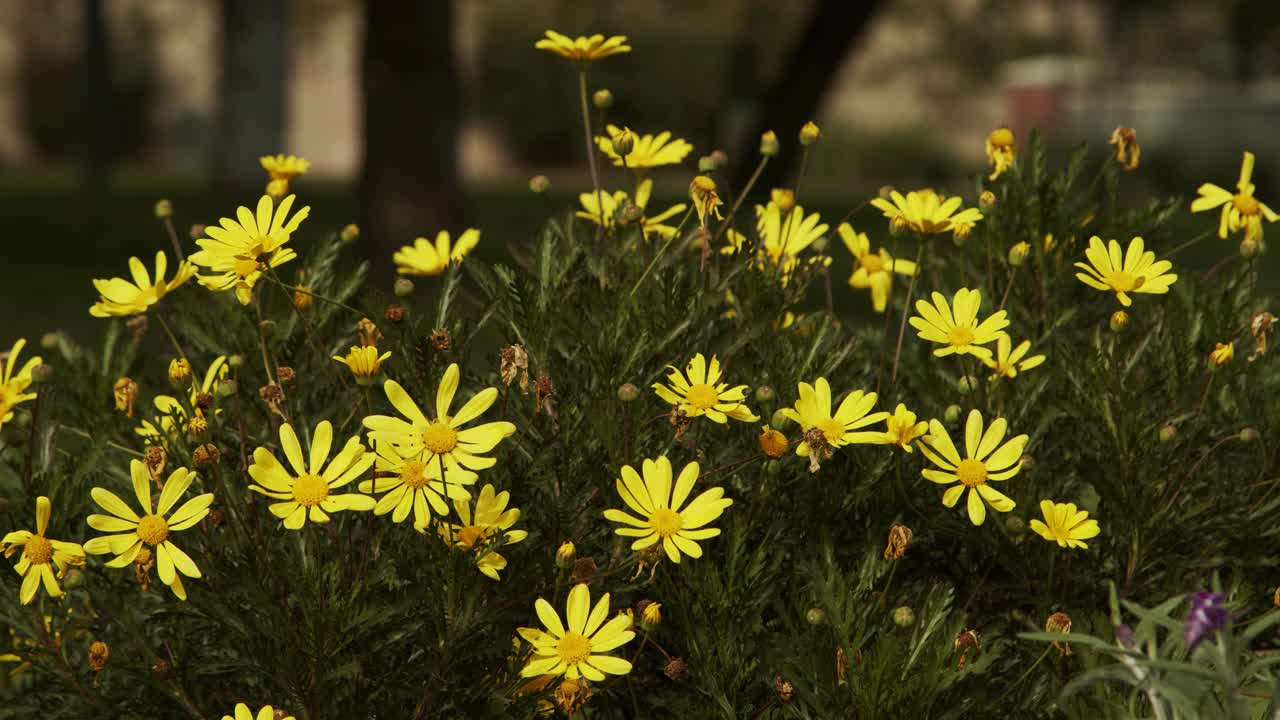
(1207, 616)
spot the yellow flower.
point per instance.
(411, 485)
(422, 258)
(706, 201)
(150, 528)
(576, 648)
(781, 239)
(172, 415)
(364, 361)
(1009, 361)
(13, 385)
(1240, 210)
(1222, 354)
(1136, 272)
(1001, 151)
(40, 555)
(591, 210)
(307, 492)
(956, 326)
(649, 151)
(1065, 525)
(902, 428)
(658, 504)
(813, 411)
(488, 528)
(266, 713)
(236, 252)
(1128, 152)
(121, 297)
(926, 212)
(982, 464)
(583, 49)
(442, 441)
(698, 391)
(284, 167)
(773, 443)
(873, 270)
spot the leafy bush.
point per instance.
(837, 584)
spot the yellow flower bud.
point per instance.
(1119, 321)
(1222, 354)
(769, 144)
(773, 443)
(651, 615)
(1018, 253)
(179, 372)
(810, 134)
(350, 233)
(164, 209)
(986, 201)
(602, 99)
(785, 199)
(566, 555)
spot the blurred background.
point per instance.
(428, 115)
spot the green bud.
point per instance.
(628, 213)
(706, 164)
(764, 394)
(952, 414)
(403, 287)
(1249, 435)
(235, 361)
(350, 233)
(602, 99)
(164, 209)
(968, 383)
(773, 467)
(539, 184)
(986, 201)
(904, 616)
(267, 328)
(720, 158)
(42, 373)
(769, 144)
(628, 392)
(815, 616)
(227, 387)
(1015, 524)
(50, 340)
(778, 419)
(1168, 433)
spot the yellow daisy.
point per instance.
(235, 252)
(902, 428)
(1136, 272)
(583, 49)
(812, 411)
(702, 393)
(307, 492)
(576, 648)
(365, 362)
(150, 528)
(1009, 360)
(956, 325)
(873, 270)
(282, 169)
(1001, 151)
(171, 415)
(783, 236)
(655, 225)
(650, 151)
(13, 385)
(926, 212)
(658, 503)
(444, 440)
(121, 297)
(40, 555)
(1065, 525)
(982, 464)
(1240, 210)
(242, 712)
(423, 258)
(488, 528)
(411, 484)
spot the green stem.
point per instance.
(586, 131)
(310, 332)
(171, 336)
(661, 250)
(173, 238)
(906, 310)
(737, 202)
(305, 291)
(262, 340)
(87, 436)
(1024, 676)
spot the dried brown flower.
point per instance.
(99, 653)
(515, 363)
(899, 540)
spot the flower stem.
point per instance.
(586, 132)
(87, 436)
(737, 202)
(171, 336)
(262, 340)
(906, 310)
(309, 332)
(305, 291)
(173, 238)
(661, 250)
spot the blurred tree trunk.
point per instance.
(252, 91)
(95, 156)
(801, 84)
(412, 115)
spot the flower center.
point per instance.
(153, 529)
(573, 648)
(1002, 138)
(1123, 281)
(872, 263)
(414, 474)
(439, 437)
(832, 430)
(972, 472)
(1246, 204)
(702, 396)
(310, 490)
(470, 535)
(666, 522)
(959, 336)
(38, 550)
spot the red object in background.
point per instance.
(1031, 106)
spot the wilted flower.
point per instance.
(1059, 622)
(899, 541)
(126, 392)
(441, 340)
(964, 642)
(1207, 615)
(705, 198)
(99, 653)
(571, 695)
(784, 688)
(368, 332)
(773, 443)
(1128, 151)
(1001, 151)
(515, 363)
(675, 668)
(1259, 326)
